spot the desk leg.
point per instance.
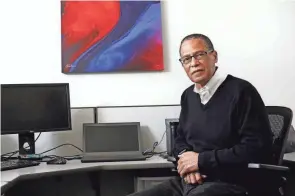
(95, 182)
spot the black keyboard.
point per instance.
(16, 164)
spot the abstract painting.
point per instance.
(111, 36)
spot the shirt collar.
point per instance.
(212, 83)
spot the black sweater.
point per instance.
(228, 132)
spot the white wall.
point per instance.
(255, 41)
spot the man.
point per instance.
(223, 126)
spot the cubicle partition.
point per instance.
(152, 120)
(151, 117)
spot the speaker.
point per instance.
(171, 126)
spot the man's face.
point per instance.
(201, 67)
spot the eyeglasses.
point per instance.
(199, 55)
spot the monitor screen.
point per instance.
(111, 137)
(35, 107)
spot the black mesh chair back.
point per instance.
(280, 119)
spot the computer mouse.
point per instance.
(57, 161)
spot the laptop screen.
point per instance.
(111, 137)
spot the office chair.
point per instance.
(280, 119)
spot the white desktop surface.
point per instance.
(289, 156)
(3, 183)
(9, 175)
(76, 165)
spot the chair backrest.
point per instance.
(280, 119)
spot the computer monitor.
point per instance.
(30, 108)
(112, 138)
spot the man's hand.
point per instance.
(194, 178)
(188, 163)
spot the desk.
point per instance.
(76, 165)
(11, 177)
(3, 184)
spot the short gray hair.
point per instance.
(205, 38)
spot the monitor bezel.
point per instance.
(112, 124)
(67, 90)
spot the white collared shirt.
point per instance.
(210, 88)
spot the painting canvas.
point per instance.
(111, 36)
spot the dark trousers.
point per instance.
(177, 187)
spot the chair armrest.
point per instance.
(268, 167)
(273, 171)
(274, 175)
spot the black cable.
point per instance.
(162, 137)
(15, 152)
(152, 152)
(47, 158)
(18, 150)
(73, 157)
(51, 157)
(38, 137)
(66, 144)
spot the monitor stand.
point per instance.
(26, 142)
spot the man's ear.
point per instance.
(215, 55)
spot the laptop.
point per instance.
(104, 142)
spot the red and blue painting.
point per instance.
(111, 36)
